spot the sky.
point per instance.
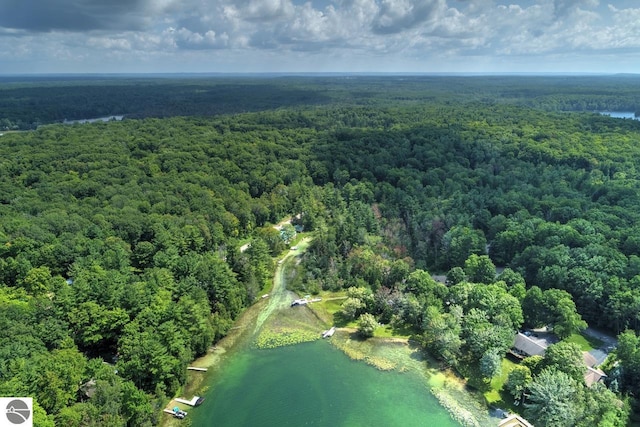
(366, 36)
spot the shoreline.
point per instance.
(384, 353)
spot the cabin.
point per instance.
(525, 346)
(514, 420)
(592, 375)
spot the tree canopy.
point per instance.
(120, 241)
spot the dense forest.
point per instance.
(119, 254)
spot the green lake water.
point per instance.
(314, 384)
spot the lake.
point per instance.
(621, 114)
(314, 384)
(97, 119)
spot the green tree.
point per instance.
(553, 400)
(563, 314)
(480, 269)
(534, 308)
(367, 324)
(96, 327)
(490, 364)
(481, 336)
(38, 281)
(441, 336)
(287, 233)
(511, 278)
(518, 381)
(456, 275)
(352, 308)
(460, 243)
(628, 354)
(422, 285)
(54, 378)
(565, 357)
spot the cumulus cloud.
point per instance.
(566, 7)
(417, 30)
(77, 15)
(398, 15)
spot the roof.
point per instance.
(514, 420)
(89, 388)
(592, 376)
(527, 346)
(589, 359)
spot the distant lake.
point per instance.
(621, 114)
(97, 119)
(314, 384)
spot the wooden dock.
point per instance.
(329, 333)
(193, 402)
(193, 368)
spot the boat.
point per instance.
(299, 302)
(329, 333)
(177, 412)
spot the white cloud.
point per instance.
(343, 34)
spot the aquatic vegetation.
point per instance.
(457, 412)
(280, 338)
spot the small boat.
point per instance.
(179, 413)
(329, 333)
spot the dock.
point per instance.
(329, 333)
(304, 301)
(193, 368)
(197, 400)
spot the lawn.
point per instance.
(496, 396)
(586, 343)
(329, 306)
(386, 331)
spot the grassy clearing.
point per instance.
(327, 308)
(387, 331)
(496, 395)
(585, 342)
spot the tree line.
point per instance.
(120, 241)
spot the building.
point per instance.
(592, 375)
(514, 420)
(525, 346)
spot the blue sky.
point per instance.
(129, 36)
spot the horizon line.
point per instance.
(321, 74)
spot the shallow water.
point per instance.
(314, 384)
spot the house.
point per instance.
(593, 375)
(514, 420)
(525, 346)
(589, 360)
